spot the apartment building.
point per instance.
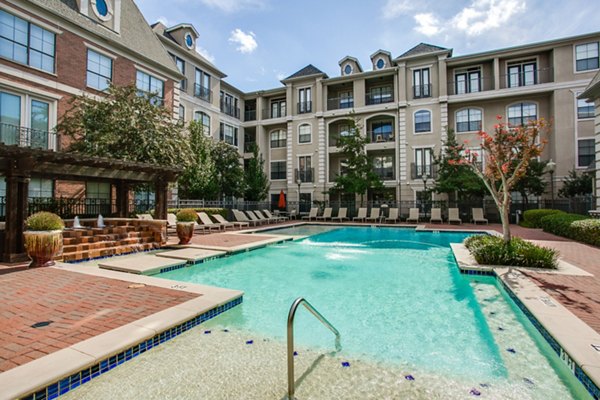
(592, 97)
(52, 50)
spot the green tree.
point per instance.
(577, 185)
(125, 126)
(197, 181)
(457, 180)
(229, 174)
(532, 182)
(255, 179)
(358, 175)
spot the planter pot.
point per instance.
(185, 231)
(42, 247)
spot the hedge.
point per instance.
(560, 224)
(532, 218)
(586, 231)
(491, 250)
(209, 211)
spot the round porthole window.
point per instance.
(347, 69)
(189, 41)
(380, 63)
(102, 9)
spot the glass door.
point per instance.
(10, 118)
(38, 137)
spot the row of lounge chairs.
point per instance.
(394, 215)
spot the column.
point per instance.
(17, 193)
(160, 187)
(122, 199)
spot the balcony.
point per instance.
(463, 87)
(372, 99)
(304, 175)
(422, 91)
(385, 174)
(304, 107)
(230, 110)
(420, 171)
(339, 103)
(527, 78)
(250, 115)
(269, 114)
(26, 137)
(381, 137)
(202, 93)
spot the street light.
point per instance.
(299, 183)
(550, 167)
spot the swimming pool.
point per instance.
(400, 304)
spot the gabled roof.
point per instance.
(349, 58)
(380, 51)
(309, 70)
(422, 49)
(592, 92)
(181, 26)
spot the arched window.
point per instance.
(423, 121)
(278, 138)
(204, 119)
(468, 120)
(520, 113)
(304, 133)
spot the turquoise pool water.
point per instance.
(396, 296)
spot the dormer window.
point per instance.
(380, 63)
(189, 41)
(347, 69)
(102, 9)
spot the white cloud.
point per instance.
(484, 15)
(231, 6)
(280, 76)
(163, 20)
(246, 41)
(427, 24)
(395, 8)
(204, 53)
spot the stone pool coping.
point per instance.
(578, 344)
(38, 374)
(268, 240)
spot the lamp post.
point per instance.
(299, 183)
(550, 167)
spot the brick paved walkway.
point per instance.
(81, 306)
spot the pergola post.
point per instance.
(122, 199)
(17, 194)
(161, 187)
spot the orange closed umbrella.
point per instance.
(281, 203)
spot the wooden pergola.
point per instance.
(20, 164)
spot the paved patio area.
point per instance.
(79, 306)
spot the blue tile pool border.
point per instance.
(575, 368)
(66, 384)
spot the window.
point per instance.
(97, 190)
(304, 134)
(383, 166)
(423, 163)
(305, 100)
(278, 138)
(305, 170)
(202, 85)
(522, 74)
(102, 9)
(422, 121)
(347, 69)
(586, 57)
(229, 134)
(181, 112)
(278, 109)
(26, 43)
(379, 95)
(229, 105)
(382, 131)
(40, 188)
(468, 120)
(421, 82)
(204, 119)
(24, 121)
(151, 87)
(584, 109)
(99, 70)
(346, 100)
(519, 114)
(181, 67)
(380, 63)
(189, 41)
(468, 81)
(278, 170)
(585, 152)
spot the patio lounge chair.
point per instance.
(293, 214)
(145, 216)
(436, 216)
(478, 217)
(393, 217)
(277, 218)
(254, 217)
(171, 220)
(312, 214)
(223, 222)
(375, 214)
(263, 217)
(413, 215)
(362, 215)
(453, 216)
(342, 215)
(235, 224)
(207, 222)
(326, 214)
(242, 218)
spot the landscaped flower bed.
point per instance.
(492, 250)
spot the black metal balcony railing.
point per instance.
(304, 175)
(338, 103)
(277, 113)
(250, 115)
(277, 143)
(230, 110)
(422, 91)
(203, 93)
(381, 137)
(385, 174)
(527, 78)
(462, 87)
(27, 137)
(420, 171)
(372, 99)
(304, 107)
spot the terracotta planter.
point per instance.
(42, 247)
(185, 231)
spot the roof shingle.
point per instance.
(423, 48)
(306, 71)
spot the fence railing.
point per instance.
(337, 103)
(202, 93)
(27, 137)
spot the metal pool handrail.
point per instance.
(290, 338)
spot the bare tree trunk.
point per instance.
(505, 216)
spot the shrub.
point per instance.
(532, 218)
(209, 211)
(491, 250)
(187, 215)
(44, 221)
(586, 231)
(560, 224)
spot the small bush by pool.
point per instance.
(532, 218)
(491, 250)
(573, 226)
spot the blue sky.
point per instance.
(258, 42)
